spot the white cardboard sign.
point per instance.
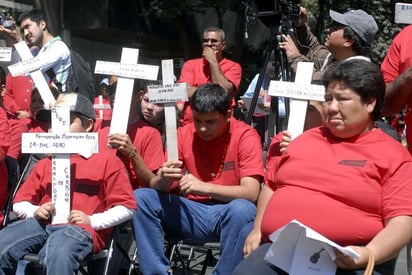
(403, 13)
(168, 93)
(5, 54)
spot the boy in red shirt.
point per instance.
(101, 198)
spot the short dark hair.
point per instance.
(34, 15)
(209, 98)
(363, 77)
(359, 46)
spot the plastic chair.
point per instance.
(175, 247)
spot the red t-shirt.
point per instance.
(197, 72)
(97, 184)
(344, 189)
(17, 127)
(148, 143)
(224, 160)
(398, 59)
(18, 93)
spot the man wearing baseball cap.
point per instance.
(350, 36)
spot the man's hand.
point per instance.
(289, 46)
(171, 170)
(11, 36)
(45, 211)
(189, 184)
(209, 53)
(286, 139)
(303, 18)
(78, 217)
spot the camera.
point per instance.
(6, 20)
(272, 13)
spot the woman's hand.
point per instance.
(252, 242)
(349, 263)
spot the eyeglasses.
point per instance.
(211, 40)
(334, 27)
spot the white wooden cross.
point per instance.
(300, 91)
(60, 143)
(32, 65)
(127, 70)
(168, 94)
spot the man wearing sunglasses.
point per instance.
(350, 36)
(212, 67)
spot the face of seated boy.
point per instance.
(210, 125)
(79, 126)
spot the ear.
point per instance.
(223, 45)
(370, 106)
(228, 115)
(349, 42)
(89, 125)
(3, 90)
(43, 25)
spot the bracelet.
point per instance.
(133, 153)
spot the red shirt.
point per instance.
(97, 184)
(343, 188)
(18, 93)
(148, 143)
(197, 72)
(398, 59)
(17, 127)
(224, 160)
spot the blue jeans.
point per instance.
(255, 264)
(60, 247)
(162, 214)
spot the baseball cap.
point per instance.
(76, 102)
(105, 81)
(359, 21)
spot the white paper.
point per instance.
(5, 54)
(403, 13)
(294, 244)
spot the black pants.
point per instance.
(256, 265)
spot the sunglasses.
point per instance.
(334, 27)
(212, 40)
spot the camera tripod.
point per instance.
(275, 121)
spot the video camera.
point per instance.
(6, 20)
(274, 13)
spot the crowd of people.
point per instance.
(344, 177)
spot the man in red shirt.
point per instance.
(212, 67)
(397, 73)
(209, 193)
